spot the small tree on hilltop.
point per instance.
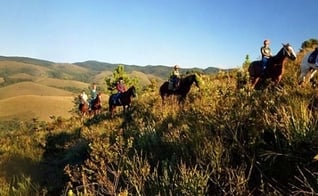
(247, 62)
(311, 43)
(117, 73)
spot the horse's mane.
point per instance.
(131, 88)
(192, 77)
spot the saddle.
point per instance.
(116, 99)
(312, 57)
(174, 84)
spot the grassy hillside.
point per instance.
(28, 107)
(70, 85)
(223, 141)
(31, 88)
(9, 68)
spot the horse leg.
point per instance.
(254, 81)
(302, 78)
(112, 111)
(312, 73)
(124, 109)
(305, 71)
(163, 100)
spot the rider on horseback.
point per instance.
(84, 98)
(174, 77)
(266, 54)
(121, 87)
(93, 95)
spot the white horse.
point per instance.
(307, 69)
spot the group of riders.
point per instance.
(266, 54)
(93, 95)
(84, 99)
(174, 77)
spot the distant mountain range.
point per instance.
(160, 71)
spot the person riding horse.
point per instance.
(183, 89)
(84, 98)
(93, 93)
(266, 54)
(274, 69)
(83, 103)
(308, 68)
(121, 87)
(174, 78)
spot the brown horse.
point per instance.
(96, 104)
(274, 70)
(124, 99)
(83, 107)
(183, 89)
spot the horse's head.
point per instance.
(98, 98)
(288, 51)
(132, 91)
(197, 80)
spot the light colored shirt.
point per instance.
(266, 52)
(84, 98)
(175, 72)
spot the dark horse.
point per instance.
(182, 90)
(275, 67)
(96, 104)
(124, 100)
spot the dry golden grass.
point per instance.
(62, 83)
(31, 88)
(19, 67)
(27, 107)
(71, 68)
(100, 78)
(143, 78)
(22, 76)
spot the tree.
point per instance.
(247, 62)
(118, 73)
(311, 43)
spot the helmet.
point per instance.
(266, 41)
(176, 66)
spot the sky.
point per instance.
(190, 33)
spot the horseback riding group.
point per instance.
(273, 67)
(269, 67)
(92, 104)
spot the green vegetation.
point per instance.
(223, 141)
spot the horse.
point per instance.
(124, 99)
(307, 69)
(96, 104)
(83, 107)
(275, 67)
(182, 90)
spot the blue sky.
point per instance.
(191, 33)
